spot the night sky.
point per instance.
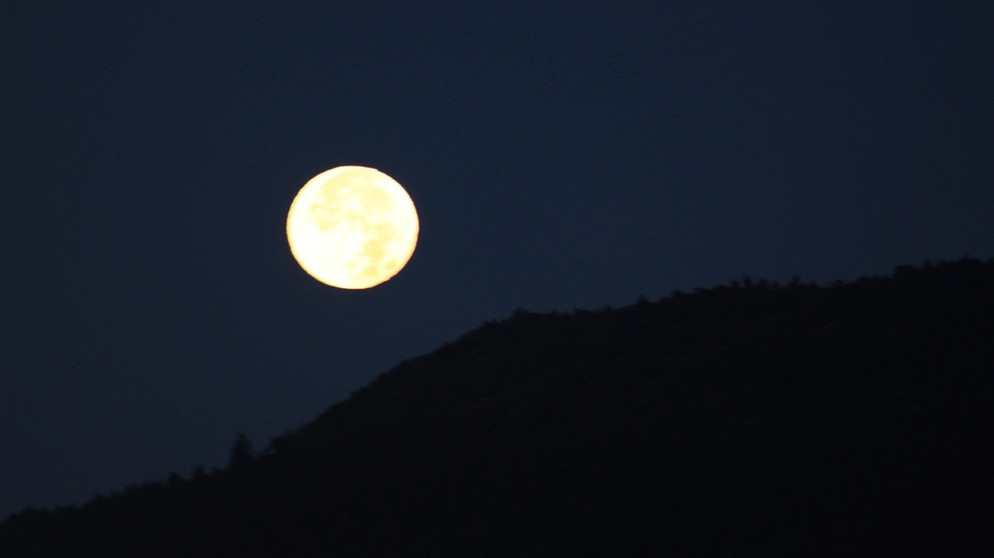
(561, 155)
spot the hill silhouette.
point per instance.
(741, 420)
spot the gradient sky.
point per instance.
(562, 155)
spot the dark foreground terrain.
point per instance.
(742, 420)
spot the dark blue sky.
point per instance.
(561, 155)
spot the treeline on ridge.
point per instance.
(749, 419)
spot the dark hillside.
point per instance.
(742, 420)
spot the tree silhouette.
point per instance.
(241, 452)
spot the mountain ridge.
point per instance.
(742, 420)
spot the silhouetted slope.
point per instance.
(746, 420)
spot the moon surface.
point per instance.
(352, 227)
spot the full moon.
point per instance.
(352, 227)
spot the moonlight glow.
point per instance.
(352, 227)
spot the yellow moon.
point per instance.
(352, 227)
